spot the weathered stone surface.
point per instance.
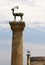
(37, 60)
(17, 26)
(17, 42)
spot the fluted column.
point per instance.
(17, 42)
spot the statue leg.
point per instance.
(15, 18)
(21, 17)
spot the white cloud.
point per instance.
(4, 26)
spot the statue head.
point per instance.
(16, 7)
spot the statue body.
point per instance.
(17, 14)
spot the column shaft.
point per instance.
(17, 43)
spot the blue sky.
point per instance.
(33, 34)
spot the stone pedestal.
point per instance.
(17, 42)
(28, 59)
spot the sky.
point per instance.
(33, 34)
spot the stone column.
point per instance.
(17, 42)
(28, 58)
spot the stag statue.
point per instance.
(16, 14)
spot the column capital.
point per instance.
(17, 26)
(28, 54)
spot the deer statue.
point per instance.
(16, 14)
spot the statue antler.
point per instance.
(16, 7)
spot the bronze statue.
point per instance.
(16, 14)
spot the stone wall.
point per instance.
(37, 60)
